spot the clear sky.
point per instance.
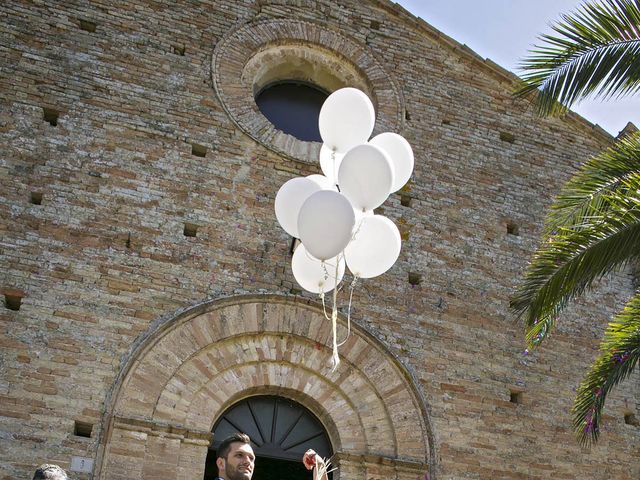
(504, 30)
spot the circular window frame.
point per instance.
(257, 54)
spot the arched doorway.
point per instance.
(281, 431)
(187, 370)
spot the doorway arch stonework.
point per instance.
(188, 369)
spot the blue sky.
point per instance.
(504, 30)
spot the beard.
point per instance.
(234, 473)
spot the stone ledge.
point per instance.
(370, 460)
(163, 429)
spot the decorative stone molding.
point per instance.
(255, 55)
(190, 369)
(163, 430)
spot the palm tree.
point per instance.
(593, 227)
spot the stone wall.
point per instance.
(118, 138)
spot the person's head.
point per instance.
(236, 458)
(49, 472)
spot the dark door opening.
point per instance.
(266, 469)
(280, 429)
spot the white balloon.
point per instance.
(314, 275)
(289, 199)
(346, 119)
(323, 182)
(375, 247)
(360, 215)
(365, 176)
(330, 162)
(400, 155)
(325, 224)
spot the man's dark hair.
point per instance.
(49, 472)
(225, 445)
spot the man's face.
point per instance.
(239, 462)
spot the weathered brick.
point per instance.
(103, 265)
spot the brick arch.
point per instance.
(204, 394)
(188, 369)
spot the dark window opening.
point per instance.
(294, 108)
(51, 116)
(36, 198)
(12, 302)
(190, 229)
(88, 26)
(198, 150)
(507, 137)
(82, 429)
(631, 419)
(515, 397)
(405, 200)
(513, 228)
(280, 429)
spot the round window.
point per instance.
(293, 107)
(273, 76)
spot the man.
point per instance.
(49, 472)
(236, 459)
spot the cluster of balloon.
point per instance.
(332, 214)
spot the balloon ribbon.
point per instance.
(334, 319)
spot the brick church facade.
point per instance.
(147, 285)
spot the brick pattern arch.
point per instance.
(185, 373)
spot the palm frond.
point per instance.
(596, 53)
(593, 227)
(620, 353)
(572, 259)
(614, 171)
